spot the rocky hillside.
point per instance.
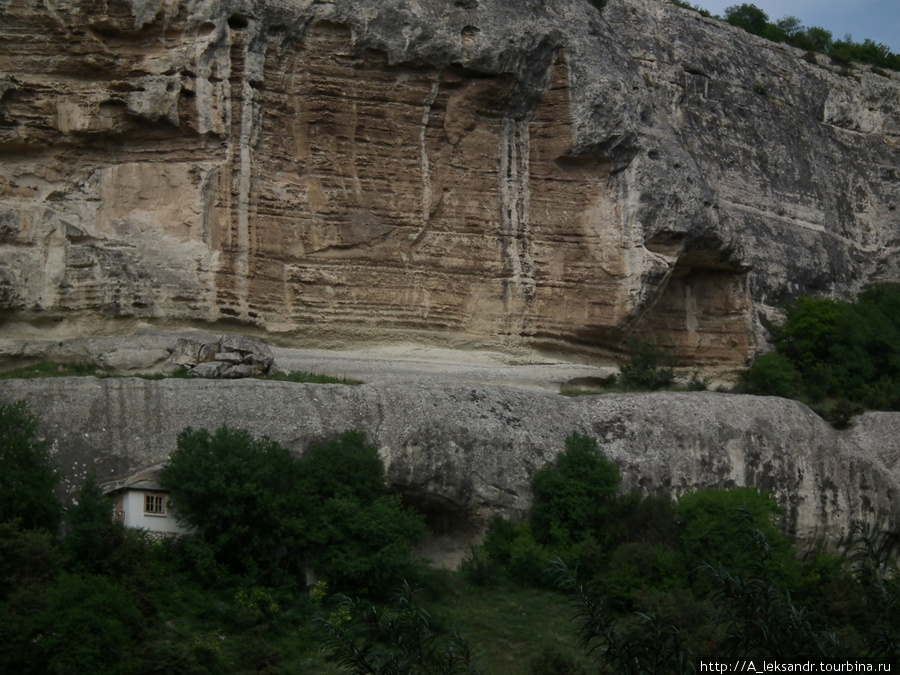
(504, 173)
(465, 452)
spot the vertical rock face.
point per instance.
(504, 172)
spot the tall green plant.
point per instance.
(572, 496)
(238, 492)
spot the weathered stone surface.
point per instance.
(486, 171)
(209, 370)
(229, 357)
(463, 453)
(186, 352)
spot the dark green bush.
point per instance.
(650, 365)
(572, 497)
(713, 527)
(832, 350)
(365, 639)
(773, 374)
(239, 493)
(90, 625)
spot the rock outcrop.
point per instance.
(230, 357)
(464, 453)
(480, 170)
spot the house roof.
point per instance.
(147, 480)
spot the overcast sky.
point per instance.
(875, 19)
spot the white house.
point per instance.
(140, 502)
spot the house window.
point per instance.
(155, 505)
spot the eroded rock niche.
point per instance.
(703, 308)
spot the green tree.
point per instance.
(714, 526)
(359, 538)
(572, 496)
(773, 374)
(749, 17)
(344, 467)
(27, 477)
(239, 493)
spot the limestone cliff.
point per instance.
(481, 170)
(465, 452)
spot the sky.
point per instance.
(875, 19)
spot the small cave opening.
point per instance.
(451, 530)
(238, 22)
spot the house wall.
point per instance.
(133, 503)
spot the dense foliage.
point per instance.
(238, 492)
(660, 582)
(789, 29)
(843, 354)
(259, 513)
(396, 640)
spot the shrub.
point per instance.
(552, 661)
(572, 496)
(773, 374)
(365, 639)
(90, 625)
(478, 568)
(714, 526)
(363, 548)
(836, 350)
(650, 365)
(344, 467)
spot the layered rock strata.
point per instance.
(478, 170)
(464, 453)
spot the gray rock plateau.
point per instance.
(463, 452)
(461, 172)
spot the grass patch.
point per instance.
(79, 369)
(53, 369)
(309, 378)
(509, 625)
(88, 369)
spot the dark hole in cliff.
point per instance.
(238, 22)
(442, 518)
(466, 4)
